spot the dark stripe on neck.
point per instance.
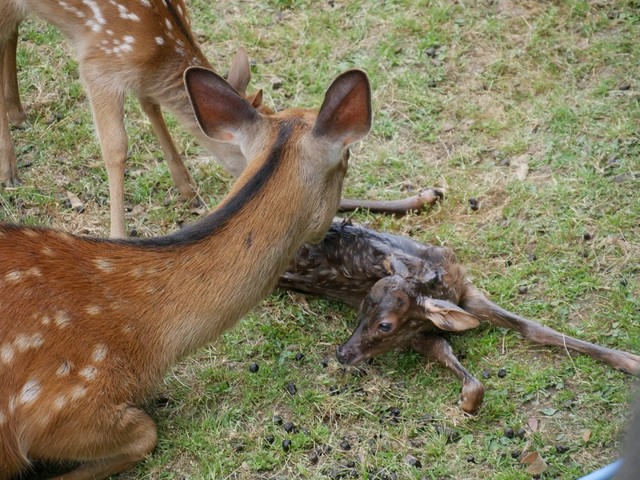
(219, 218)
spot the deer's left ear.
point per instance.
(447, 316)
(345, 114)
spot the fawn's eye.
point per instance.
(385, 327)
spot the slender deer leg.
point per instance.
(477, 304)
(394, 207)
(8, 162)
(179, 172)
(118, 447)
(15, 112)
(108, 116)
(438, 349)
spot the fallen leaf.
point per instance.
(536, 463)
(586, 435)
(549, 411)
(76, 203)
(533, 424)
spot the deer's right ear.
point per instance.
(220, 111)
(345, 114)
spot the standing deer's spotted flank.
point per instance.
(89, 326)
(139, 46)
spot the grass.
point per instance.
(464, 92)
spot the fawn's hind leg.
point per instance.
(437, 348)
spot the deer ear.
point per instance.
(240, 72)
(220, 111)
(345, 114)
(448, 316)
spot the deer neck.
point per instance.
(224, 265)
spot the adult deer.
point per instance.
(89, 326)
(408, 293)
(140, 46)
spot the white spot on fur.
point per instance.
(30, 392)
(62, 319)
(27, 342)
(34, 271)
(13, 276)
(78, 392)
(168, 24)
(159, 40)
(47, 251)
(98, 19)
(145, 3)
(46, 320)
(6, 353)
(93, 309)
(60, 402)
(99, 353)
(104, 265)
(127, 329)
(64, 369)
(89, 373)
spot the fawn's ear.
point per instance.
(220, 111)
(448, 316)
(345, 114)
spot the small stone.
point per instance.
(587, 236)
(277, 420)
(253, 367)
(395, 411)
(345, 445)
(291, 388)
(562, 448)
(238, 447)
(522, 289)
(532, 257)
(516, 453)
(289, 427)
(486, 374)
(299, 356)
(324, 362)
(286, 444)
(521, 433)
(471, 459)
(502, 373)
(473, 204)
(313, 457)
(270, 439)
(414, 462)
(508, 432)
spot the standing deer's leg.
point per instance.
(437, 348)
(179, 172)
(15, 112)
(108, 116)
(8, 163)
(106, 451)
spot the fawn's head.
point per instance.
(393, 313)
(308, 148)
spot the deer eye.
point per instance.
(385, 327)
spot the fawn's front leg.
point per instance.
(179, 172)
(108, 117)
(434, 347)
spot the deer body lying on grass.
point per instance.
(89, 326)
(139, 46)
(407, 293)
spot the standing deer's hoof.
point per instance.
(472, 395)
(17, 117)
(11, 182)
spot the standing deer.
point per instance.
(139, 46)
(407, 294)
(89, 326)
